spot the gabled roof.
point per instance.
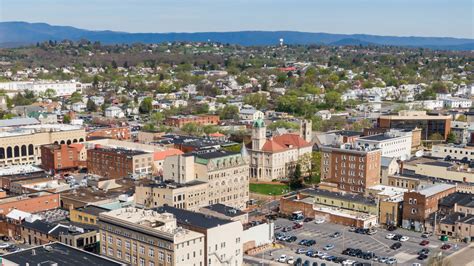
(161, 155)
(287, 140)
(272, 146)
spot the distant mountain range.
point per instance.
(14, 34)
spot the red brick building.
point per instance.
(119, 133)
(353, 170)
(179, 121)
(418, 205)
(118, 163)
(32, 203)
(60, 158)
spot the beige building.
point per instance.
(21, 145)
(446, 171)
(146, 237)
(189, 196)
(226, 175)
(277, 157)
(456, 152)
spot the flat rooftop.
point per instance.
(187, 217)
(119, 151)
(58, 253)
(338, 195)
(378, 137)
(19, 169)
(435, 189)
(225, 210)
(93, 210)
(215, 154)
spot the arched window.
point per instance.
(74, 141)
(81, 140)
(31, 149)
(68, 142)
(23, 150)
(62, 142)
(17, 151)
(56, 142)
(2, 153)
(9, 152)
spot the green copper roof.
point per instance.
(259, 123)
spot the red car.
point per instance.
(424, 242)
(296, 226)
(445, 246)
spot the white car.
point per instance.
(4, 245)
(319, 221)
(391, 261)
(348, 262)
(389, 236)
(404, 238)
(290, 261)
(282, 258)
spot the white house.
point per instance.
(98, 100)
(114, 111)
(324, 114)
(250, 114)
(78, 107)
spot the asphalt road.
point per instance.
(406, 255)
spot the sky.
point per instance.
(443, 18)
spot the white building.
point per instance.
(277, 157)
(324, 114)
(455, 152)
(62, 88)
(114, 111)
(454, 102)
(98, 100)
(78, 107)
(250, 114)
(391, 144)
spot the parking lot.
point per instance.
(377, 243)
(9, 246)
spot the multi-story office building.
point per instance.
(224, 238)
(453, 152)
(352, 169)
(118, 163)
(180, 120)
(56, 158)
(226, 174)
(429, 124)
(419, 204)
(390, 144)
(189, 196)
(21, 145)
(146, 237)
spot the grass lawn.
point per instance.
(269, 189)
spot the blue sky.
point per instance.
(453, 18)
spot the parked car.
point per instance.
(391, 228)
(308, 219)
(352, 229)
(297, 225)
(301, 251)
(290, 260)
(319, 221)
(372, 232)
(310, 243)
(282, 258)
(4, 245)
(336, 234)
(422, 256)
(303, 241)
(286, 229)
(383, 259)
(424, 242)
(424, 251)
(396, 246)
(445, 246)
(397, 237)
(426, 234)
(391, 261)
(328, 247)
(404, 238)
(389, 236)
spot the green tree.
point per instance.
(257, 100)
(229, 112)
(146, 106)
(333, 99)
(193, 129)
(91, 106)
(283, 124)
(451, 138)
(209, 129)
(296, 180)
(75, 97)
(202, 109)
(157, 117)
(436, 136)
(50, 93)
(66, 119)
